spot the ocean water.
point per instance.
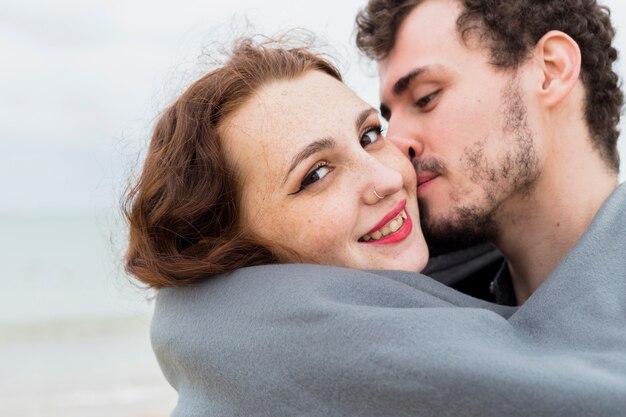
(74, 330)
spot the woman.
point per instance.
(270, 159)
(278, 162)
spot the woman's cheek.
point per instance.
(405, 167)
(323, 240)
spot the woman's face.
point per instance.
(311, 161)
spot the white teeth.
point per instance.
(393, 226)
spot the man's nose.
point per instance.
(406, 136)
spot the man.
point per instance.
(509, 111)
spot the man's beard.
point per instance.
(515, 171)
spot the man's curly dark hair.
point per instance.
(510, 29)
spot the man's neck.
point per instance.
(537, 230)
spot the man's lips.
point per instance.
(425, 178)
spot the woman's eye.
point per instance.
(371, 136)
(320, 171)
(315, 175)
(426, 100)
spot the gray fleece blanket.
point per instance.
(310, 340)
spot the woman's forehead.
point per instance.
(301, 101)
(286, 115)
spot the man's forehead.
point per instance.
(427, 44)
(428, 29)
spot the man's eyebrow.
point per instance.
(403, 83)
(401, 86)
(311, 149)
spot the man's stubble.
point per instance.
(513, 172)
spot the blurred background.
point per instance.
(81, 84)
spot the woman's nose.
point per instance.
(382, 181)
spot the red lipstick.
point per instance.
(399, 234)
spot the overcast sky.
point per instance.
(82, 81)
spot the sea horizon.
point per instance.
(74, 328)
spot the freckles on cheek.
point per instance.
(320, 238)
(294, 229)
(405, 168)
(409, 176)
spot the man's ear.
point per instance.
(560, 60)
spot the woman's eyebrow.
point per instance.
(312, 148)
(325, 143)
(362, 117)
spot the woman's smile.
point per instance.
(393, 228)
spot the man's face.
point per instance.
(463, 123)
